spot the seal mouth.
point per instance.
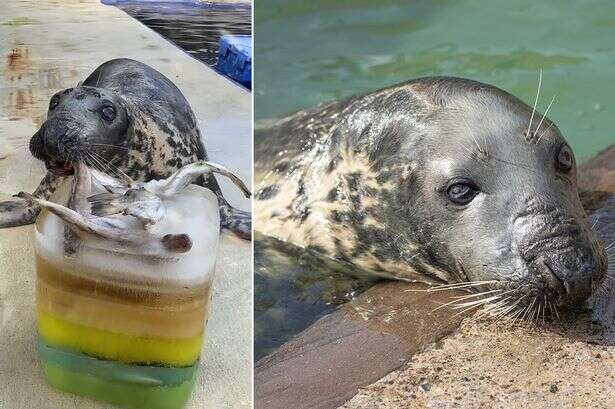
(554, 282)
(57, 168)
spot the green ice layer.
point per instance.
(129, 386)
(116, 371)
(128, 395)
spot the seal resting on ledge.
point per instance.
(437, 179)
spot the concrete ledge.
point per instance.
(364, 340)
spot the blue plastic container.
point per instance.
(235, 58)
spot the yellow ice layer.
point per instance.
(181, 321)
(117, 347)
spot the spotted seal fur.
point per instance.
(126, 118)
(440, 179)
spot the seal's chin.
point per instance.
(59, 168)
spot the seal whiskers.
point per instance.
(456, 300)
(107, 166)
(455, 286)
(529, 126)
(494, 308)
(475, 305)
(543, 118)
(106, 145)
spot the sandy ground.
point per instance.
(49, 45)
(488, 365)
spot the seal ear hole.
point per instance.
(462, 192)
(564, 159)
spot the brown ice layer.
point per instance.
(122, 306)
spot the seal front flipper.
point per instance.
(21, 212)
(235, 220)
(17, 213)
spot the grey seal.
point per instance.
(126, 119)
(439, 178)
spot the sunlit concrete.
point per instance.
(48, 45)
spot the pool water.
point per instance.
(194, 28)
(311, 51)
(292, 289)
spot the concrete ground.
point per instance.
(48, 45)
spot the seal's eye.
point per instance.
(564, 159)
(53, 103)
(108, 113)
(461, 193)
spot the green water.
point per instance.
(292, 289)
(312, 51)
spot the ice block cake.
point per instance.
(123, 322)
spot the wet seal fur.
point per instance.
(125, 118)
(439, 178)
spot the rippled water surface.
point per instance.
(319, 50)
(196, 29)
(292, 290)
(312, 51)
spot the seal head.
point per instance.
(500, 198)
(84, 124)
